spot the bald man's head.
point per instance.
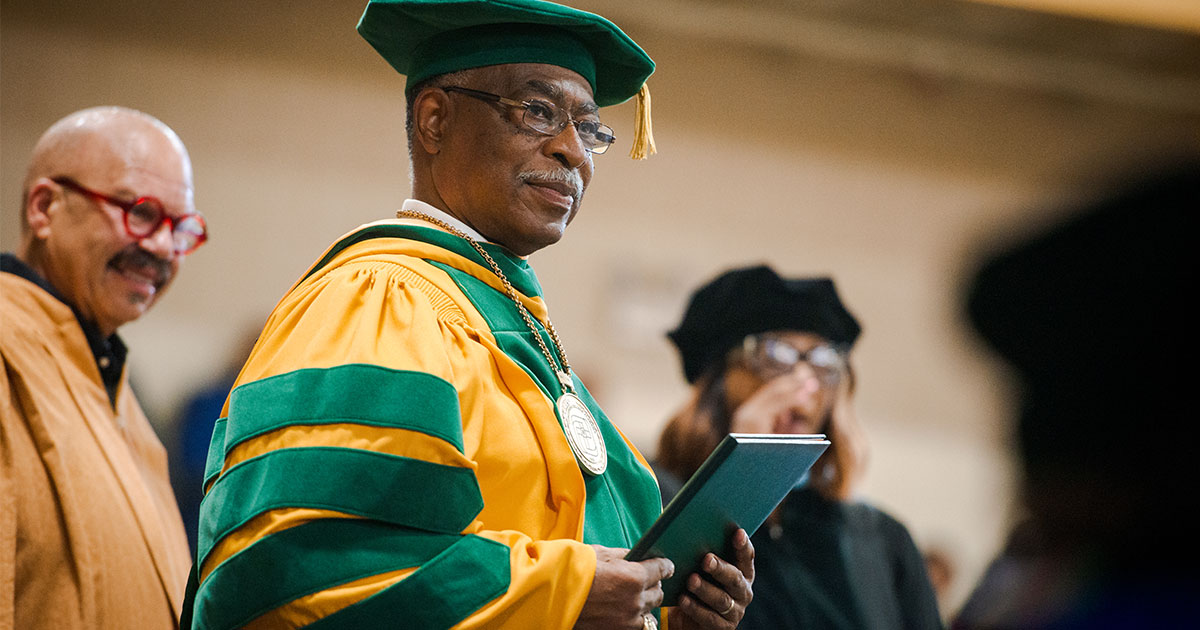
(74, 231)
(76, 141)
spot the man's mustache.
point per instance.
(566, 176)
(134, 258)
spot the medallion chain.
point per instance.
(565, 370)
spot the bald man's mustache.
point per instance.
(133, 259)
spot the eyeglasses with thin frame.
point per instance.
(548, 119)
(772, 356)
(145, 215)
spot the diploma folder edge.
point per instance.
(703, 514)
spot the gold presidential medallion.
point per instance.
(583, 434)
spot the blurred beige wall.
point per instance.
(778, 142)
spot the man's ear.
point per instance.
(431, 113)
(39, 205)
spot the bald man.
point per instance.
(90, 535)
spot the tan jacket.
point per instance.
(90, 534)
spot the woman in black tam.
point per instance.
(771, 355)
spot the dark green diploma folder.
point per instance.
(739, 485)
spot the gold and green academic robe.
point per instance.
(90, 534)
(390, 455)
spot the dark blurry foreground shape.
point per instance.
(1096, 318)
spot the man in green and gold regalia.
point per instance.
(407, 445)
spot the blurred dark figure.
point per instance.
(1092, 317)
(194, 432)
(942, 571)
(767, 354)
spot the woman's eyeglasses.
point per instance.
(771, 356)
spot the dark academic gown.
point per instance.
(831, 565)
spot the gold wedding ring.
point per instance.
(729, 609)
(649, 622)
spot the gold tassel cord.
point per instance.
(643, 135)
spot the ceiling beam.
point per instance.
(1179, 15)
(936, 47)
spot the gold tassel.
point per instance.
(643, 135)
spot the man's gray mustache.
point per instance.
(558, 176)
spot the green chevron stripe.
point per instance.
(304, 560)
(397, 490)
(443, 592)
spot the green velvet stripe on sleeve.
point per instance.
(304, 560)
(443, 592)
(216, 451)
(388, 488)
(359, 393)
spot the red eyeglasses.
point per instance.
(144, 215)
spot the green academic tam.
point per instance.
(426, 38)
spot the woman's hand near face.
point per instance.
(789, 403)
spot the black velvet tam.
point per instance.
(753, 300)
